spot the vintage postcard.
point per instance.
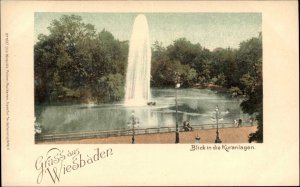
(91, 87)
(149, 93)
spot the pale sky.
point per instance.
(211, 30)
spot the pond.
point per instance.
(196, 105)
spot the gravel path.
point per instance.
(227, 135)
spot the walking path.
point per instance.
(227, 135)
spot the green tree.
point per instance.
(164, 73)
(224, 66)
(70, 61)
(251, 82)
(109, 88)
(253, 104)
(248, 55)
(183, 51)
(193, 55)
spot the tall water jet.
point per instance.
(137, 88)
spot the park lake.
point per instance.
(196, 105)
(89, 79)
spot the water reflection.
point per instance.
(194, 105)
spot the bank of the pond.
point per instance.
(86, 100)
(227, 135)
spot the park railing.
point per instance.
(126, 132)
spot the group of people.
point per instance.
(238, 123)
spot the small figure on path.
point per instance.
(197, 139)
(235, 123)
(240, 122)
(251, 121)
(186, 126)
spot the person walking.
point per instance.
(235, 123)
(240, 122)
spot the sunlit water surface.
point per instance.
(197, 106)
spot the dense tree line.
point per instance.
(227, 68)
(74, 63)
(239, 71)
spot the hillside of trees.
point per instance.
(75, 64)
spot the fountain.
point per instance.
(137, 88)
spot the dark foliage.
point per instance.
(75, 64)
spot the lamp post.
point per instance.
(177, 85)
(133, 123)
(218, 140)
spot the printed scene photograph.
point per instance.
(148, 78)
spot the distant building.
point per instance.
(218, 49)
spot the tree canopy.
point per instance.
(75, 63)
(237, 70)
